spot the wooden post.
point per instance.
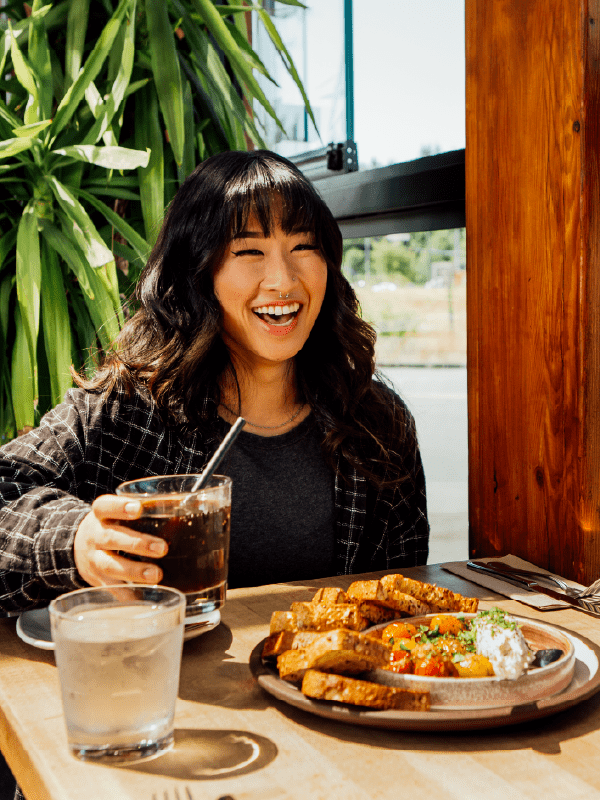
(533, 291)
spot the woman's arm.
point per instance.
(53, 536)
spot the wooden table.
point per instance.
(232, 738)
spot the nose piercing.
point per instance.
(281, 296)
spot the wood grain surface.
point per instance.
(234, 739)
(533, 295)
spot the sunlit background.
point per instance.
(389, 75)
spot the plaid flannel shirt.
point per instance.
(88, 445)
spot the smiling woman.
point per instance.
(243, 311)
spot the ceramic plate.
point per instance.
(585, 681)
(33, 627)
(488, 692)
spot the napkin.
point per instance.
(540, 601)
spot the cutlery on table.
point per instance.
(589, 591)
(533, 586)
(187, 795)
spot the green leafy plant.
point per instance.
(105, 108)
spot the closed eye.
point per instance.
(247, 252)
(306, 247)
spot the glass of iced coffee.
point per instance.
(118, 652)
(195, 525)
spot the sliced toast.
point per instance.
(342, 689)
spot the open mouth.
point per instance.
(278, 315)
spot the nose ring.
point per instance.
(281, 296)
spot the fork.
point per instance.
(591, 590)
(176, 796)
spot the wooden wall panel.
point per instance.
(533, 297)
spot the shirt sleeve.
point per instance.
(41, 506)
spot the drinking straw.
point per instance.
(221, 452)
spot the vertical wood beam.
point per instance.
(533, 296)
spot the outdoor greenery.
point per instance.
(405, 259)
(105, 107)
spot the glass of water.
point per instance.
(118, 652)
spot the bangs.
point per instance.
(267, 189)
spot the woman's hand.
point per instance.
(103, 532)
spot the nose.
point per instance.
(280, 272)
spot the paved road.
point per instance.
(437, 397)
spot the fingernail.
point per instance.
(151, 574)
(132, 508)
(159, 547)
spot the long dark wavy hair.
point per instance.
(172, 346)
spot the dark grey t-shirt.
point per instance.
(282, 510)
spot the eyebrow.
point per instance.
(261, 235)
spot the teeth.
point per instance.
(277, 310)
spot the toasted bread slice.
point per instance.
(405, 605)
(437, 597)
(330, 596)
(376, 613)
(278, 643)
(283, 621)
(319, 617)
(371, 591)
(468, 605)
(326, 686)
(340, 651)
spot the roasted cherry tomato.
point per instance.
(436, 666)
(398, 630)
(446, 624)
(401, 662)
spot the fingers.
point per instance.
(101, 537)
(112, 568)
(110, 510)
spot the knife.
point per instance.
(533, 586)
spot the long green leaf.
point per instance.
(23, 378)
(71, 254)
(56, 325)
(107, 157)
(167, 75)
(84, 231)
(39, 56)
(152, 178)
(250, 55)
(77, 22)
(226, 42)
(220, 95)
(29, 276)
(188, 163)
(33, 129)
(21, 29)
(106, 112)
(8, 116)
(92, 67)
(286, 58)
(28, 81)
(97, 299)
(10, 147)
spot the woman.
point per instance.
(244, 310)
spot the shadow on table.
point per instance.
(210, 676)
(211, 754)
(544, 736)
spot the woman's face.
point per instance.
(259, 326)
